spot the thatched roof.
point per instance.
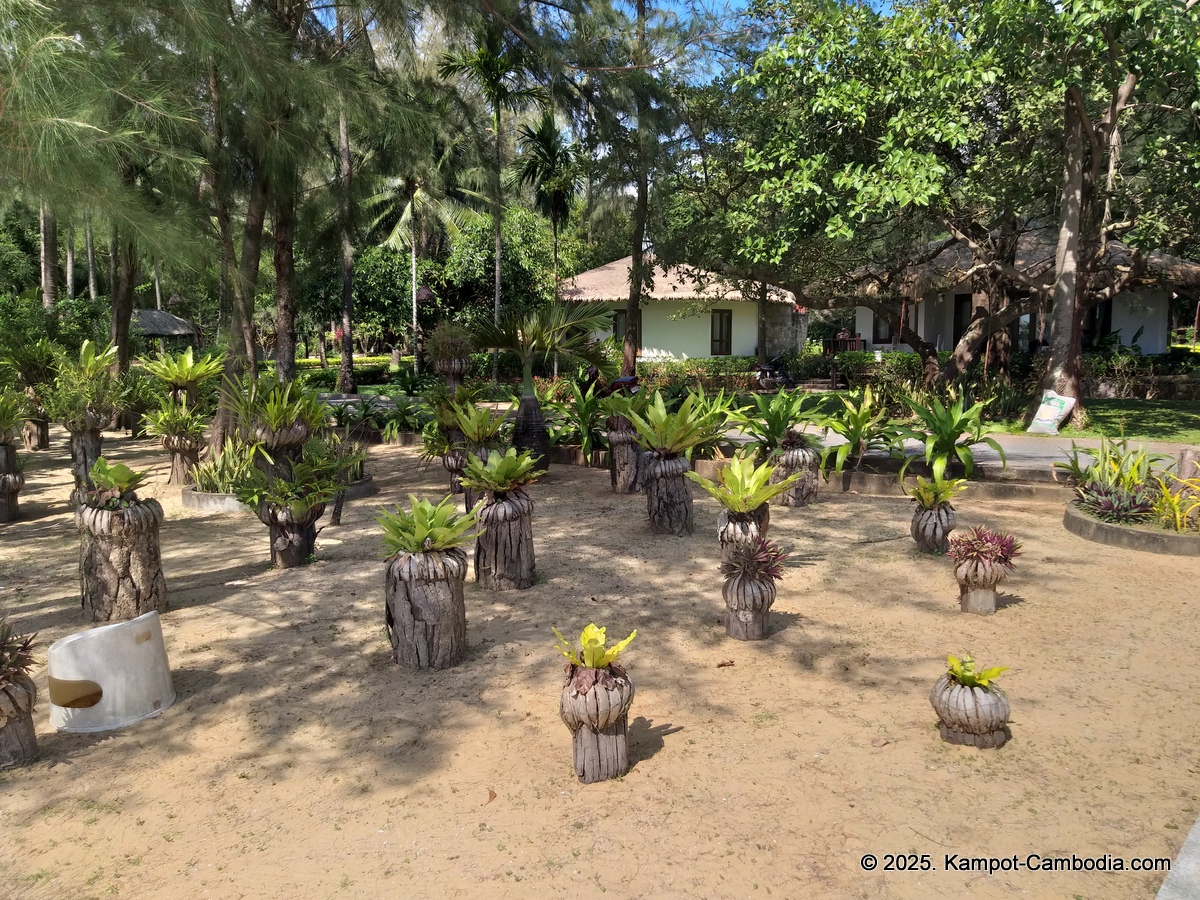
(157, 323)
(610, 284)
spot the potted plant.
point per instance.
(183, 374)
(216, 479)
(441, 437)
(557, 328)
(181, 431)
(278, 417)
(751, 569)
(84, 396)
(933, 519)
(290, 507)
(744, 492)
(12, 414)
(798, 454)
(970, 708)
(18, 740)
(504, 559)
(594, 705)
(775, 427)
(120, 567)
(482, 433)
(449, 348)
(625, 454)
(34, 366)
(669, 436)
(139, 394)
(423, 585)
(982, 559)
(347, 460)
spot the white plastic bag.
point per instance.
(1052, 412)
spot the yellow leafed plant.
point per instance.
(592, 653)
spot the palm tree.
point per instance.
(558, 328)
(551, 166)
(497, 70)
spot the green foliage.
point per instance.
(865, 426)
(501, 474)
(949, 432)
(114, 485)
(335, 457)
(221, 474)
(1118, 502)
(1178, 503)
(427, 527)
(742, 487)
(963, 672)
(670, 434)
(773, 419)
(538, 334)
(583, 420)
(447, 341)
(481, 426)
(312, 484)
(85, 392)
(526, 265)
(276, 407)
(1114, 464)
(592, 651)
(615, 405)
(932, 493)
(174, 418)
(185, 372)
(754, 560)
(14, 408)
(407, 416)
(16, 653)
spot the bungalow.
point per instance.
(691, 313)
(943, 302)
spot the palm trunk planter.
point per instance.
(669, 497)
(744, 491)
(751, 569)
(624, 456)
(11, 481)
(931, 528)
(741, 528)
(974, 713)
(454, 461)
(85, 450)
(293, 532)
(453, 371)
(185, 456)
(802, 461)
(35, 434)
(982, 559)
(120, 566)
(504, 558)
(426, 614)
(594, 705)
(470, 497)
(18, 741)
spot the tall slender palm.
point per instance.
(497, 70)
(550, 165)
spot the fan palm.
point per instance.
(535, 335)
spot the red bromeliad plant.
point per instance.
(982, 559)
(751, 570)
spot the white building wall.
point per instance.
(691, 337)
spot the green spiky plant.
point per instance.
(14, 408)
(504, 556)
(673, 434)
(583, 420)
(502, 474)
(741, 486)
(593, 652)
(16, 654)
(183, 374)
(482, 428)
(426, 527)
(930, 493)
(751, 569)
(18, 694)
(221, 474)
(175, 419)
(864, 424)
(949, 433)
(970, 707)
(773, 420)
(1178, 503)
(115, 485)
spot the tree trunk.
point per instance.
(803, 491)
(285, 285)
(35, 434)
(412, 245)
(748, 607)
(120, 568)
(69, 271)
(112, 260)
(293, 539)
(504, 559)
(49, 255)
(624, 456)
(471, 497)
(741, 528)
(762, 323)
(185, 456)
(669, 497)
(11, 482)
(85, 450)
(931, 528)
(594, 705)
(529, 431)
(641, 209)
(18, 739)
(122, 303)
(425, 613)
(89, 244)
(346, 383)
(497, 228)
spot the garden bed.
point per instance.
(300, 757)
(1130, 537)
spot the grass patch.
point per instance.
(1139, 420)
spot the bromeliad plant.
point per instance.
(18, 694)
(594, 705)
(425, 612)
(744, 491)
(582, 415)
(120, 567)
(181, 431)
(949, 433)
(84, 397)
(864, 424)
(183, 374)
(776, 419)
(971, 709)
(982, 559)
(934, 518)
(751, 570)
(504, 556)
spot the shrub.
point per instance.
(1117, 503)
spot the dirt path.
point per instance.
(299, 761)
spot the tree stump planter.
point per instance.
(624, 457)
(18, 740)
(977, 582)
(974, 716)
(504, 559)
(35, 434)
(293, 537)
(741, 528)
(669, 496)
(85, 450)
(803, 491)
(185, 456)
(595, 706)
(120, 567)
(931, 528)
(425, 612)
(454, 461)
(453, 371)
(748, 607)
(11, 481)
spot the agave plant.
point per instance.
(425, 611)
(982, 559)
(949, 433)
(504, 556)
(751, 569)
(971, 709)
(594, 705)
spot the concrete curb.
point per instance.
(201, 501)
(1131, 537)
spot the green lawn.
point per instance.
(1140, 420)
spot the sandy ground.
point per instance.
(299, 761)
